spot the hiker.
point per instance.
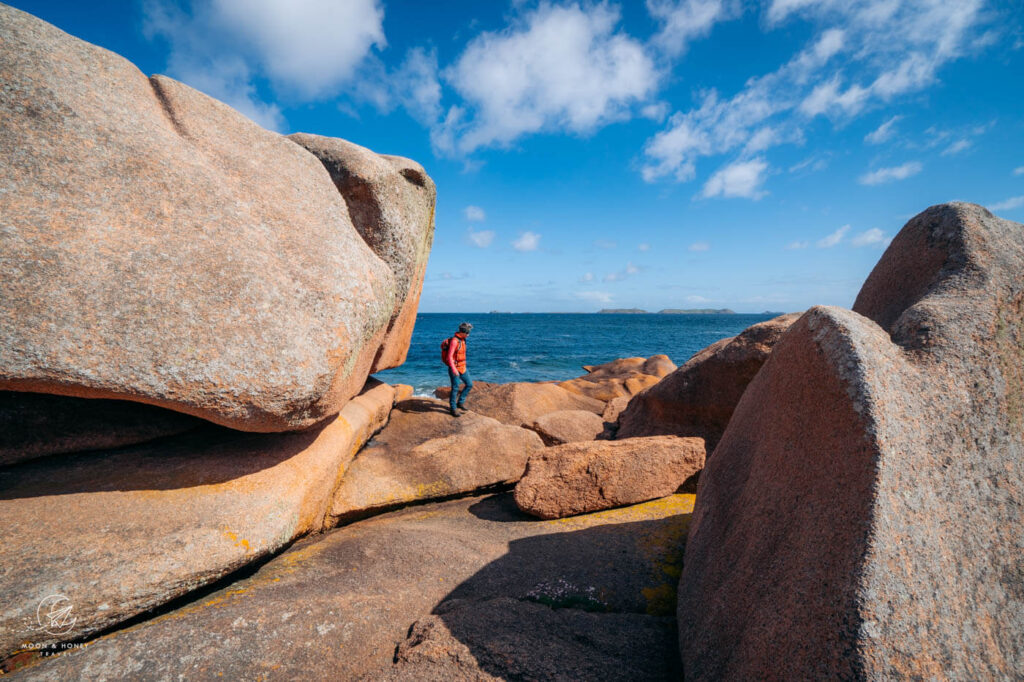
(454, 354)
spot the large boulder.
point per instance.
(337, 606)
(391, 203)
(576, 478)
(120, 532)
(568, 426)
(698, 399)
(160, 247)
(620, 378)
(862, 516)
(36, 424)
(425, 453)
(522, 403)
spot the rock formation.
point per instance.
(620, 378)
(424, 453)
(568, 426)
(522, 403)
(584, 477)
(862, 515)
(162, 248)
(698, 398)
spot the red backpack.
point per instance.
(445, 345)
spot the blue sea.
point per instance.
(507, 347)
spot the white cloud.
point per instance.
(700, 246)
(556, 68)
(834, 238)
(620, 275)
(884, 132)
(1011, 203)
(415, 85)
(814, 163)
(883, 175)
(481, 239)
(527, 241)
(474, 214)
(305, 48)
(869, 237)
(1019, 170)
(792, 246)
(682, 21)
(889, 48)
(738, 179)
(644, 246)
(587, 277)
(605, 244)
(595, 296)
(957, 147)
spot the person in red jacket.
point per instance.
(456, 361)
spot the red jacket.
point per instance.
(456, 359)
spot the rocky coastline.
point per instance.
(200, 477)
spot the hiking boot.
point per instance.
(461, 407)
(454, 412)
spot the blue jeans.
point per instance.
(467, 386)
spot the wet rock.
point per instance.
(424, 453)
(568, 426)
(522, 403)
(162, 248)
(338, 605)
(860, 518)
(120, 532)
(698, 399)
(583, 477)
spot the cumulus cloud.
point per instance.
(1019, 170)
(587, 277)
(834, 238)
(683, 20)
(883, 175)
(700, 246)
(595, 296)
(870, 237)
(474, 214)
(481, 239)
(888, 49)
(562, 68)
(1012, 202)
(305, 48)
(884, 132)
(527, 241)
(622, 274)
(738, 179)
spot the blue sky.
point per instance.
(667, 153)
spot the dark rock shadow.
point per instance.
(497, 508)
(422, 405)
(207, 455)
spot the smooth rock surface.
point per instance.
(509, 639)
(120, 532)
(425, 453)
(620, 378)
(522, 403)
(584, 477)
(698, 399)
(160, 247)
(568, 426)
(338, 605)
(863, 515)
(391, 203)
(36, 424)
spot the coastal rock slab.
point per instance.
(861, 517)
(391, 203)
(568, 426)
(698, 399)
(522, 403)
(339, 604)
(121, 532)
(35, 424)
(425, 453)
(583, 477)
(620, 378)
(162, 248)
(509, 639)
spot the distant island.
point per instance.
(667, 311)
